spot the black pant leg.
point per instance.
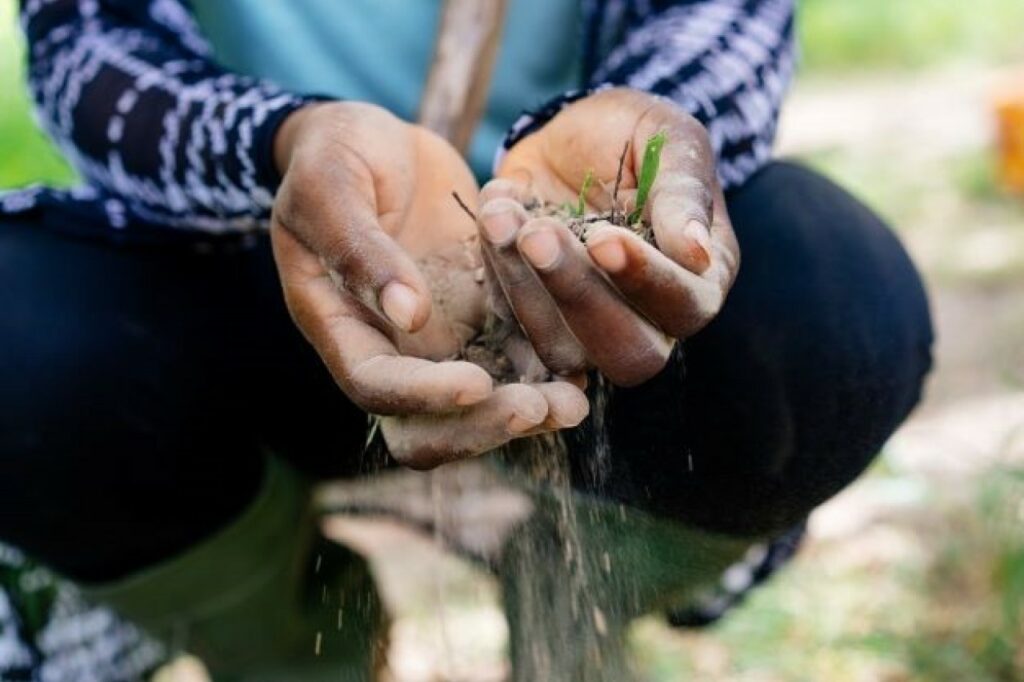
(140, 387)
(818, 354)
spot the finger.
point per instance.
(428, 441)
(505, 188)
(567, 404)
(674, 298)
(680, 204)
(329, 203)
(624, 346)
(681, 224)
(538, 316)
(498, 188)
(363, 360)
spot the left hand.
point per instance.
(378, 265)
(616, 303)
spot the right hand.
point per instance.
(364, 198)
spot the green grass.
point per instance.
(648, 172)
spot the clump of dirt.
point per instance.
(488, 349)
(583, 225)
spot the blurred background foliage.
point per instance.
(26, 155)
(908, 34)
(917, 571)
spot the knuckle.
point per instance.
(284, 211)
(642, 365)
(340, 253)
(302, 182)
(564, 359)
(362, 385)
(360, 394)
(582, 290)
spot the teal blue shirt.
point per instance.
(380, 50)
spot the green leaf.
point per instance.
(581, 206)
(648, 172)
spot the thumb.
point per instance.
(330, 206)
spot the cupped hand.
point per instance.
(379, 267)
(616, 303)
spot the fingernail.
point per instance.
(470, 396)
(698, 232)
(499, 228)
(518, 424)
(573, 415)
(609, 254)
(541, 248)
(399, 303)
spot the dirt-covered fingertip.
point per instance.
(540, 242)
(681, 232)
(527, 406)
(607, 248)
(474, 384)
(500, 220)
(567, 404)
(404, 306)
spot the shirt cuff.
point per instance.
(267, 175)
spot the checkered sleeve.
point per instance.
(727, 62)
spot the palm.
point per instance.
(587, 139)
(418, 210)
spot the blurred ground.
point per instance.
(917, 571)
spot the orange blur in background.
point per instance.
(1009, 106)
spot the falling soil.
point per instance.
(560, 596)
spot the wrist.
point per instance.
(289, 132)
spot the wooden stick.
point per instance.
(460, 73)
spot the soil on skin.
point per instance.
(583, 226)
(488, 349)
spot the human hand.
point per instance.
(617, 302)
(363, 212)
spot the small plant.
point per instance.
(580, 223)
(648, 172)
(581, 204)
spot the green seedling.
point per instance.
(648, 172)
(580, 208)
(581, 204)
